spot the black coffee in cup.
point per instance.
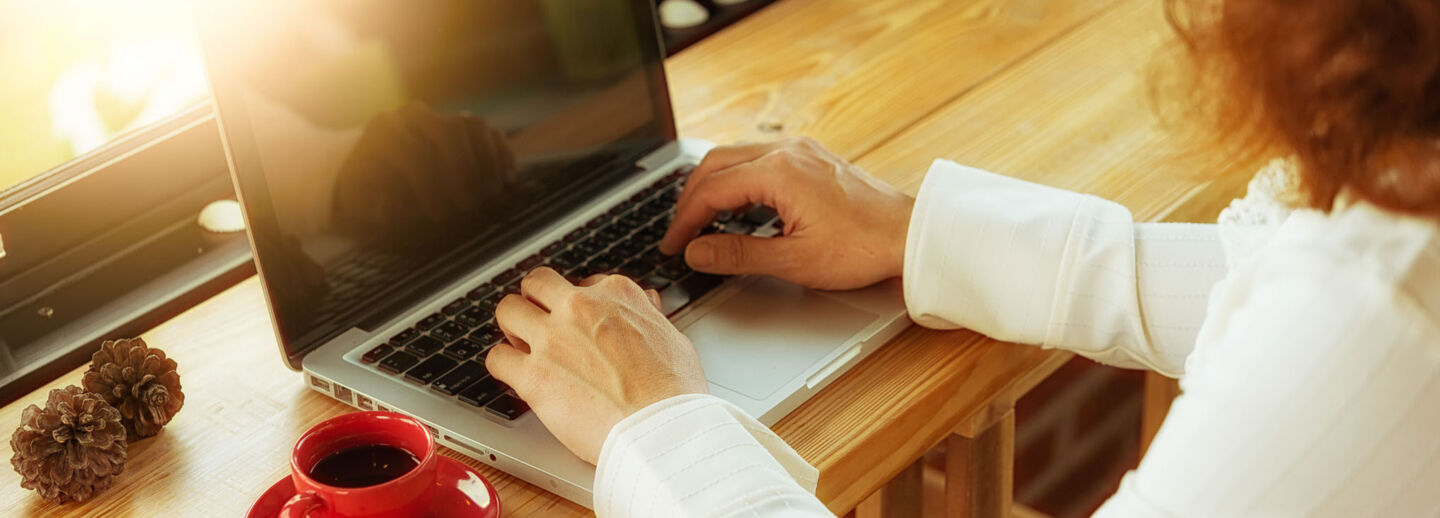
(363, 466)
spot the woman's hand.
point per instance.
(844, 229)
(586, 357)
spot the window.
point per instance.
(107, 153)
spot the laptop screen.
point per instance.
(382, 149)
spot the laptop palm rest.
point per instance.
(769, 332)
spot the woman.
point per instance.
(1307, 341)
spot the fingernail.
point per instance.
(700, 255)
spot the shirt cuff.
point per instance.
(986, 251)
(692, 455)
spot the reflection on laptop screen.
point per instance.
(382, 148)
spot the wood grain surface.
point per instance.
(1048, 90)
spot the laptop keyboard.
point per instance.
(446, 350)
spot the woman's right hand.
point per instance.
(844, 229)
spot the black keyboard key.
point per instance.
(529, 263)
(430, 369)
(590, 246)
(654, 257)
(630, 221)
(610, 233)
(680, 294)
(488, 305)
(508, 407)
(479, 293)
(398, 362)
(425, 346)
(653, 202)
(635, 269)
(473, 317)
(485, 336)
(455, 306)
(701, 283)
(649, 235)
(404, 337)
(605, 262)
(374, 355)
(553, 248)
(505, 277)
(567, 260)
(760, 215)
(463, 349)
(650, 209)
(460, 378)
(629, 249)
(428, 323)
(449, 331)
(673, 268)
(483, 391)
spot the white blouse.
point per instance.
(1307, 344)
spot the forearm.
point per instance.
(1032, 264)
(697, 455)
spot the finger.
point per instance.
(725, 157)
(593, 280)
(731, 189)
(730, 254)
(507, 364)
(520, 319)
(545, 287)
(654, 298)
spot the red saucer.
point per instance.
(463, 493)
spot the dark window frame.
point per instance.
(108, 245)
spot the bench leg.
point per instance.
(901, 497)
(979, 471)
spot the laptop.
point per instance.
(402, 165)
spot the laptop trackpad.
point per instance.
(769, 333)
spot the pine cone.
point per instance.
(139, 381)
(72, 449)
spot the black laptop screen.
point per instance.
(383, 148)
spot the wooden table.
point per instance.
(1052, 91)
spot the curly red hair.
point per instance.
(1351, 86)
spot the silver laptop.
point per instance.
(403, 164)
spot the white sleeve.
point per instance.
(697, 456)
(1312, 392)
(1033, 264)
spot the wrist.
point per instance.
(900, 236)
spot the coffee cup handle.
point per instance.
(303, 505)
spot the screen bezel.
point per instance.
(247, 170)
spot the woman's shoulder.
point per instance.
(1342, 286)
(1363, 243)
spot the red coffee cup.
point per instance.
(406, 496)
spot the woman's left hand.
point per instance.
(586, 357)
